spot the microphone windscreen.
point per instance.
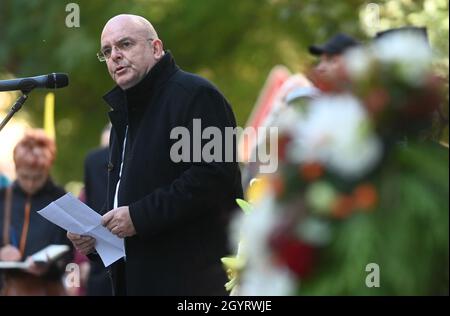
(57, 80)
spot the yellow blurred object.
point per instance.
(6, 101)
(257, 189)
(49, 115)
(234, 263)
(233, 267)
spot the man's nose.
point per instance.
(321, 67)
(116, 54)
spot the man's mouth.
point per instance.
(120, 70)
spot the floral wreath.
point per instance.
(331, 149)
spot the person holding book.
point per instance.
(23, 231)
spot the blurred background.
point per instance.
(233, 43)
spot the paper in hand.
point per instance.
(71, 214)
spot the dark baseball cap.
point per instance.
(421, 31)
(334, 46)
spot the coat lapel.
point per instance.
(118, 116)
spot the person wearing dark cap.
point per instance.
(331, 64)
(421, 31)
(438, 120)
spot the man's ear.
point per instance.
(158, 49)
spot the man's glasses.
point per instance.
(123, 45)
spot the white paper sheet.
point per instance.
(71, 214)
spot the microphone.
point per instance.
(50, 81)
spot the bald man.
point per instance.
(172, 214)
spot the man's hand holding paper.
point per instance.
(118, 222)
(84, 227)
(84, 244)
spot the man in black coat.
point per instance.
(172, 214)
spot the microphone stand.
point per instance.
(15, 108)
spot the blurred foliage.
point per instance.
(233, 43)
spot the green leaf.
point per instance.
(245, 206)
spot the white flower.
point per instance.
(260, 276)
(250, 232)
(410, 51)
(235, 232)
(287, 119)
(255, 230)
(314, 231)
(267, 280)
(357, 61)
(337, 134)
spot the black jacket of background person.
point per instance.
(180, 210)
(95, 182)
(41, 232)
(96, 178)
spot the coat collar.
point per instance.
(49, 186)
(138, 96)
(118, 99)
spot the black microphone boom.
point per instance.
(50, 81)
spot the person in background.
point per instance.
(331, 65)
(23, 231)
(95, 181)
(434, 127)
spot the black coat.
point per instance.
(180, 210)
(95, 182)
(96, 178)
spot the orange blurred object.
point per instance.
(343, 206)
(365, 196)
(311, 171)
